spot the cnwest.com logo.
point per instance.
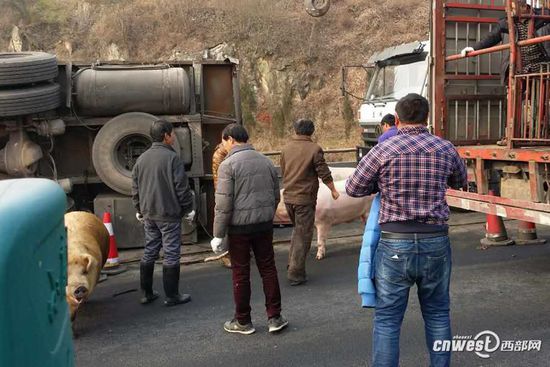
(485, 343)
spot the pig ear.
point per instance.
(88, 259)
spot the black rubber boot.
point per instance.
(171, 280)
(146, 283)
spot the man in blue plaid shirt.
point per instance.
(412, 172)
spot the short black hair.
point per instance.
(237, 132)
(159, 128)
(413, 109)
(388, 119)
(304, 127)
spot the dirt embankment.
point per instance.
(290, 61)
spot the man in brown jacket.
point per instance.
(302, 165)
(217, 158)
(220, 153)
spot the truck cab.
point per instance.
(396, 71)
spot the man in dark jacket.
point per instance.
(532, 56)
(302, 165)
(246, 198)
(161, 196)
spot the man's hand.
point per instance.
(465, 51)
(190, 216)
(139, 217)
(217, 245)
(335, 194)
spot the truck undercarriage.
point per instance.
(84, 125)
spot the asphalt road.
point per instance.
(505, 290)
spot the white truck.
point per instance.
(396, 71)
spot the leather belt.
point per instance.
(411, 236)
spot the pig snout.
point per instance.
(80, 293)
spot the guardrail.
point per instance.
(327, 151)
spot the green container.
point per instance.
(35, 329)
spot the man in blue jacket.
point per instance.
(389, 130)
(412, 173)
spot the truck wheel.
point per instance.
(18, 68)
(29, 100)
(317, 8)
(117, 147)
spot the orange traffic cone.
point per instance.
(495, 232)
(527, 234)
(112, 266)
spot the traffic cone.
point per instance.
(527, 234)
(112, 266)
(495, 232)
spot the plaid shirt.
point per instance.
(412, 172)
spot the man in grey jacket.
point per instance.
(246, 198)
(161, 196)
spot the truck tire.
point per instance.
(29, 100)
(118, 145)
(317, 8)
(17, 68)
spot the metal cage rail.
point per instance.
(501, 130)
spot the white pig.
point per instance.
(337, 173)
(87, 251)
(341, 173)
(329, 212)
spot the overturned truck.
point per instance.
(85, 125)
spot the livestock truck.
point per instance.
(500, 126)
(85, 124)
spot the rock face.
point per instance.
(16, 44)
(113, 53)
(221, 52)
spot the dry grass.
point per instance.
(304, 54)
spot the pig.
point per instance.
(338, 174)
(341, 173)
(329, 212)
(87, 251)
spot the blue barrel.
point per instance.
(35, 328)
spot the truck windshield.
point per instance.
(396, 81)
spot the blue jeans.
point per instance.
(158, 235)
(399, 264)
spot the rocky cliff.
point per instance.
(290, 61)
